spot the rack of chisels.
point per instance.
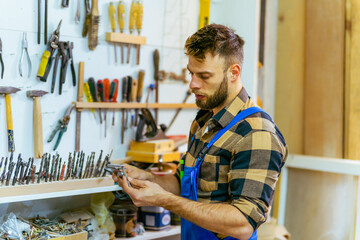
(52, 168)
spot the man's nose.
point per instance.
(194, 83)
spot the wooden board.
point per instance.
(289, 88)
(156, 146)
(153, 157)
(124, 38)
(352, 80)
(324, 78)
(76, 236)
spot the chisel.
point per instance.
(156, 59)
(139, 93)
(132, 25)
(112, 18)
(139, 21)
(121, 22)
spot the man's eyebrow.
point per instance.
(203, 72)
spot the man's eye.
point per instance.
(204, 77)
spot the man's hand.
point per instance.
(132, 172)
(144, 193)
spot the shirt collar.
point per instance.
(225, 115)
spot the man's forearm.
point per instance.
(168, 182)
(219, 217)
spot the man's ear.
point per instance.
(235, 71)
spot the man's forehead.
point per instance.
(210, 63)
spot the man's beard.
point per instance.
(215, 99)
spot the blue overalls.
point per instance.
(190, 179)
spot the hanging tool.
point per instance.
(150, 90)
(204, 13)
(61, 126)
(77, 14)
(112, 18)
(45, 21)
(10, 130)
(147, 129)
(123, 99)
(139, 21)
(128, 99)
(121, 22)
(114, 89)
(87, 18)
(132, 93)
(101, 94)
(1, 61)
(94, 25)
(139, 93)
(156, 59)
(46, 59)
(39, 22)
(94, 94)
(132, 25)
(24, 52)
(106, 98)
(88, 96)
(65, 3)
(37, 121)
(188, 93)
(71, 61)
(60, 54)
(80, 96)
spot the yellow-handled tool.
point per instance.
(132, 25)
(121, 22)
(139, 21)
(10, 129)
(88, 96)
(112, 18)
(204, 13)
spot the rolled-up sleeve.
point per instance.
(254, 171)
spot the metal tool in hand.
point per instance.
(1, 61)
(61, 126)
(24, 52)
(46, 59)
(121, 171)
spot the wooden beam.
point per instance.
(324, 78)
(352, 80)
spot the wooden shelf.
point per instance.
(125, 38)
(44, 190)
(173, 230)
(86, 105)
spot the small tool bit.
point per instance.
(3, 173)
(58, 172)
(41, 167)
(11, 168)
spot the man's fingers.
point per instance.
(138, 183)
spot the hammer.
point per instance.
(7, 91)
(37, 121)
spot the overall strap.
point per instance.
(243, 114)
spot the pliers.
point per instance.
(1, 61)
(60, 54)
(61, 126)
(24, 52)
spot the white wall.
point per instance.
(167, 24)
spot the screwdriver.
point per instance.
(114, 87)
(128, 96)
(107, 97)
(139, 21)
(121, 22)
(124, 99)
(133, 93)
(132, 23)
(100, 90)
(94, 95)
(112, 18)
(139, 92)
(88, 96)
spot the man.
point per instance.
(235, 151)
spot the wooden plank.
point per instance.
(324, 78)
(124, 38)
(289, 88)
(153, 157)
(352, 80)
(289, 84)
(134, 105)
(156, 146)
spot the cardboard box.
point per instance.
(270, 230)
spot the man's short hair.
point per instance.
(218, 40)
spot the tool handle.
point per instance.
(94, 8)
(107, 89)
(59, 137)
(9, 121)
(73, 73)
(124, 89)
(38, 132)
(121, 15)
(134, 90)
(80, 93)
(139, 16)
(44, 61)
(140, 85)
(93, 89)
(116, 81)
(129, 89)
(112, 16)
(133, 16)
(101, 91)
(87, 92)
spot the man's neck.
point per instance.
(227, 101)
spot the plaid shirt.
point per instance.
(243, 166)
